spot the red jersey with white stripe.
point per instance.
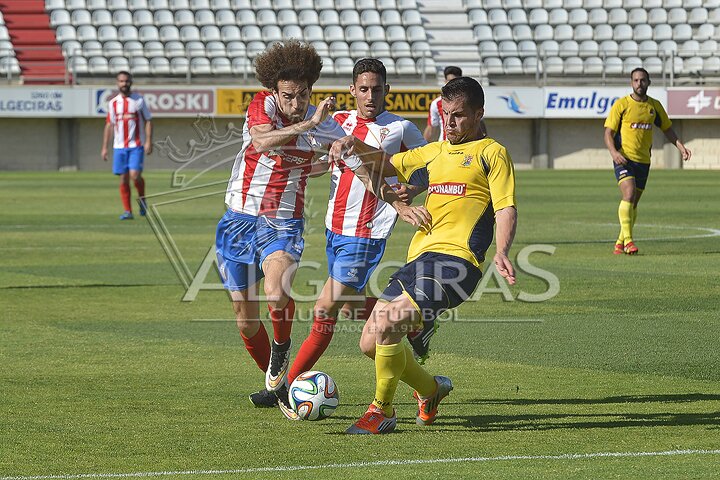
(128, 116)
(273, 183)
(436, 119)
(352, 210)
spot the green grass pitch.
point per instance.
(104, 370)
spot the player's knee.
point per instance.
(367, 345)
(325, 308)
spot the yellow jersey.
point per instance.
(467, 184)
(632, 121)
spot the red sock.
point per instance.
(282, 321)
(313, 347)
(364, 313)
(258, 346)
(125, 196)
(140, 187)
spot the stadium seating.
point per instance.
(513, 37)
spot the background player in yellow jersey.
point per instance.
(471, 187)
(628, 137)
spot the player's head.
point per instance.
(124, 82)
(451, 73)
(463, 104)
(369, 87)
(640, 79)
(289, 70)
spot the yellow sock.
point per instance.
(634, 216)
(625, 214)
(389, 367)
(416, 376)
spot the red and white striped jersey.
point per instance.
(273, 183)
(436, 118)
(352, 210)
(128, 116)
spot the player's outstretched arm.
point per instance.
(505, 224)
(673, 138)
(374, 159)
(107, 132)
(265, 137)
(609, 138)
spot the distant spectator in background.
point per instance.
(129, 120)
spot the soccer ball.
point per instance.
(313, 395)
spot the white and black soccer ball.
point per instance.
(314, 395)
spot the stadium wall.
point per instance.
(550, 127)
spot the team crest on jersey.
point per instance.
(467, 161)
(349, 125)
(384, 133)
(447, 188)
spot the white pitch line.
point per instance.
(381, 463)
(711, 232)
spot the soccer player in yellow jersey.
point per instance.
(628, 137)
(471, 187)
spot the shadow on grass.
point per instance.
(671, 398)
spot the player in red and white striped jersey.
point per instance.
(129, 121)
(358, 224)
(435, 129)
(260, 235)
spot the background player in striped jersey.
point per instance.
(129, 118)
(260, 235)
(435, 129)
(358, 224)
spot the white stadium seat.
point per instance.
(354, 33)
(693, 64)
(571, 4)
(400, 49)
(530, 4)
(88, 32)
(497, 17)
(169, 33)
(225, 18)
(613, 65)
(369, 17)
(698, 16)
(321, 47)
(407, 5)
(143, 17)
(662, 32)
(689, 48)
(104, 17)
(374, 32)
(617, 16)
(139, 66)
(158, 4)
(395, 33)
(389, 65)
(116, 4)
(308, 17)
(682, 32)
(677, 16)
(527, 48)
(490, 4)
(153, 49)
(195, 48)
(590, 4)
(252, 33)
(416, 33)
(200, 66)
(60, 17)
(112, 48)
(359, 49)
(334, 33)
(235, 49)
(667, 46)
(705, 32)
(478, 17)
(174, 48)
(220, 4)
(564, 32)
(628, 48)
(657, 16)
(583, 32)
(344, 66)
(609, 48)
(569, 48)
(179, 66)
(159, 66)
(637, 16)
(271, 33)
(550, 4)
(512, 66)
(588, 48)
(83, 17)
(221, 66)
(328, 17)
(622, 32)
(204, 18)
(190, 33)
(502, 32)
(178, 4)
(292, 31)
(517, 17)
(631, 63)
(507, 48)
(642, 32)
(164, 17)
(184, 17)
(603, 32)
(255, 48)
(708, 48)
(411, 17)
(211, 33)
(266, 17)
(543, 32)
(549, 48)
(390, 17)
(609, 4)
(247, 17)
(574, 65)
(92, 48)
(554, 65)
(148, 33)
(578, 16)
(339, 49)
(653, 65)
(200, 5)
(593, 65)
(630, 4)
(493, 65)
(597, 16)
(405, 66)
(648, 48)
(379, 49)
(711, 65)
(558, 16)
(522, 32)
(98, 66)
(482, 33)
(349, 17)
(488, 48)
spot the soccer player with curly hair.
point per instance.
(260, 235)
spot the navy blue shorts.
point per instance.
(351, 260)
(125, 159)
(435, 282)
(242, 242)
(636, 170)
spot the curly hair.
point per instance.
(290, 60)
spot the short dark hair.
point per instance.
(289, 61)
(466, 87)
(371, 65)
(124, 72)
(640, 69)
(452, 70)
